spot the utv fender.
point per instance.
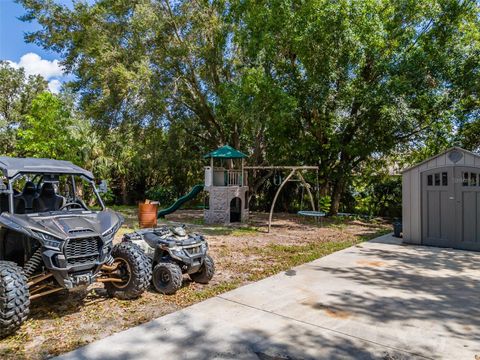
(12, 225)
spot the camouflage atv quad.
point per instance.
(174, 252)
(50, 240)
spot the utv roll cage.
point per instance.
(14, 168)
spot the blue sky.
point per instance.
(12, 44)
(31, 57)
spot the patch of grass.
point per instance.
(124, 208)
(335, 222)
(340, 225)
(340, 222)
(244, 231)
(375, 234)
(233, 231)
(279, 257)
(217, 230)
(197, 221)
(283, 257)
(215, 290)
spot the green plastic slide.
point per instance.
(180, 201)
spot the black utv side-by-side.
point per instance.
(51, 240)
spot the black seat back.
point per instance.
(28, 194)
(4, 203)
(47, 200)
(19, 205)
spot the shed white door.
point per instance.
(451, 207)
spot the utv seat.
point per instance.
(24, 200)
(19, 205)
(4, 203)
(47, 200)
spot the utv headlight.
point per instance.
(108, 235)
(50, 241)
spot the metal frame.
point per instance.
(11, 180)
(294, 170)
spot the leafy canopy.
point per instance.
(48, 130)
(340, 83)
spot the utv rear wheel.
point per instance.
(14, 298)
(205, 274)
(133, 268)
(167, 278)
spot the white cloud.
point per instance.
(51, 71)
(35, 65)
(54, 86)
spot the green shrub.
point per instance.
(163, 194)
(108, 197)
(324, 203)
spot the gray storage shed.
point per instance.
(441, 201)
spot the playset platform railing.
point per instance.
(225, 177)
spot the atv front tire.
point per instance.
(14, 298)
(167, 277)
(134, 267)
(205, 274)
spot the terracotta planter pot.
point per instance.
(147, 215)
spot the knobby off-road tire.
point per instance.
(136, 265)
(167, 278)
(14, 298)
(205, 274)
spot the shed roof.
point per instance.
(440, 154)
(225, 152)
(12, 166)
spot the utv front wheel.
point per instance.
(132, 272)
(205, 274)
(14, 298)
(167, 278)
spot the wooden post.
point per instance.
(241, 174)
(213, 173)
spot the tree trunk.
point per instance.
(337, 192)
(123, 190)
(257, 183)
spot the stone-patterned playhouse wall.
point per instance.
(219, 203)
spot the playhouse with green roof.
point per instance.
(226, 184)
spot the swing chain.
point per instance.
(277, 178)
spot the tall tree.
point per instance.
(332, 83)
(369, 77)
(48, 130)
(16, 94)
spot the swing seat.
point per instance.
(311, 213)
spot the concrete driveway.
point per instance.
(378, 300)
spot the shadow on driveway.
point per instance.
(296, 343)
(443, 285)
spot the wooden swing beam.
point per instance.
(294, 170)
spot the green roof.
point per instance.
(225, 152)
